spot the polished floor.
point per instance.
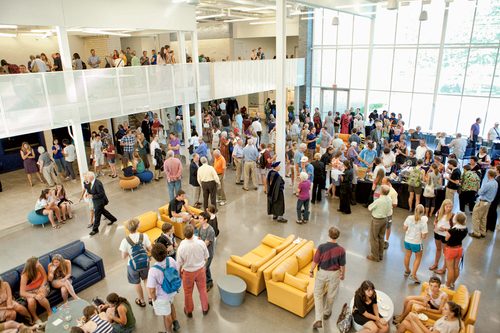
(243, 222)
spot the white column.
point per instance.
(368, 74)
(197, 105)
(64, 51)
(280, 83)
(181, 37)
(296, 101)
(81, 154)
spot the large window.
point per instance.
(440, 73)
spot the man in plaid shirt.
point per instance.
(128, 143)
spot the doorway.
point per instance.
(336, 100)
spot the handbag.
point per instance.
(344, 321)
(429, 190)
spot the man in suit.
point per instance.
(95, 189)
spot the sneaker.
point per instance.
(386, 245)
(318, 324)
(222, 203)
(176, 325)
(299, 221)
(414, 279)
(305, 221)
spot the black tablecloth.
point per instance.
(363, 190)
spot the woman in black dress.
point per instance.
(346, 188)
(366, 310)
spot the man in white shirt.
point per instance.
(494, 133)
(137, 268)
(38, 65)
(192, 255)
(457, 146)
(209, 181)
(388, 159)
(96, 151)
(394, 197)
(421, 149)
(69, 153)
(222, 106)
(257, 127)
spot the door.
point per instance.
(336, 100)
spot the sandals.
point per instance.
(56, 227)
(407, 273)
(440, 271)
(142, 304)
(150, 301)
(433, 267)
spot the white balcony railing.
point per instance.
(41, 101)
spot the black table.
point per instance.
(364, 187)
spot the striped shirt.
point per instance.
(103, 326)
(330, 256)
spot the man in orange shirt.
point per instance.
(220, 168)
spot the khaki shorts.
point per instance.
(417, 190)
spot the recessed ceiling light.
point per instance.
(262, 22)
(8, 26)
(2, 34)
(242, 19)
(210, 16)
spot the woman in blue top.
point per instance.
(58, 156)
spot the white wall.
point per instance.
(139, 44)
(17, 50)
(152, 14)
(243, 46)
(247, 30)
(216, 49)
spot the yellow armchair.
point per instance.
(465, 328)
(149, 225)
(290, 285)
(461, 296)
(251, 266)
(178, 227)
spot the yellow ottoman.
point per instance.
(129, 183)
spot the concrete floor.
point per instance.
(243, 222)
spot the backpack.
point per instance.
(415, 177)
(138, 256)
(262, 161)
(171, 279)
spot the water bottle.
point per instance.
(54, 309)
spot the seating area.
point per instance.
(86, 270)
(178, 227)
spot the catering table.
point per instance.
(364, 187)
(66, 316)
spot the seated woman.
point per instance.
(34, 287)
(92, 322)
(138, 163)
(9, 308)
(127, 168)
(44, 207)
(60, 276)
(64, 203)
(366, 310)
(433, 300)
(119, 313)
(450, 322)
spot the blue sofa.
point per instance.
(86, 270)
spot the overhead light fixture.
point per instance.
(392, 4)
(94, 31)
(307, 18)
(252, 9)
(42, 30)
(355, 5)
(241, 19)
(423, 15)
(210, 16)
(8, 26)
(2, 34)
(36, 34)
(426, 2)
(301, 13)
(262, 22)
(335, 20)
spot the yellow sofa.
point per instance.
(250, 267)
(465, 328)
(461, 296)
(149, 225)
(178, 227)
(290, 285)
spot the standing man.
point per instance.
(330, 259)
(174, 144)
(257, 127)
(94, 59)
(250, 156)
(128, 142)
(153, 57)
(492, 211)
(297, 158)
(220, 167)
(207, 234)
(173, 171)
(163, 301)
(275, 194)
(486, 195)
(474, 133)
(135, 248)
(238, 160)
(493, 134)
(416, 137)
(453, 175)
(192, 256)
(69, 153)
(381, 209)
(95, 190)
(209, 181)
(145, 58)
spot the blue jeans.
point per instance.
(117, 328)
(173, 188)
(59, 164)
(305, 204)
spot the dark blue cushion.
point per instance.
(13, 279)
(44, 261)
(83, 261)
(71, 251)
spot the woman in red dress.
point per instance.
(345, 119)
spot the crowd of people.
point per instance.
(325, 157)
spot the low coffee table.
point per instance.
(232, 290)
(66, 316)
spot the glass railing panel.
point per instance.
(161, 86)
(205, 91)
(102, 89)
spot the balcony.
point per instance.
(42, 101)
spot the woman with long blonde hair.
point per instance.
(415, 227)
(34, 287)
(60, 276)
(442, 223)
(29, 162)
